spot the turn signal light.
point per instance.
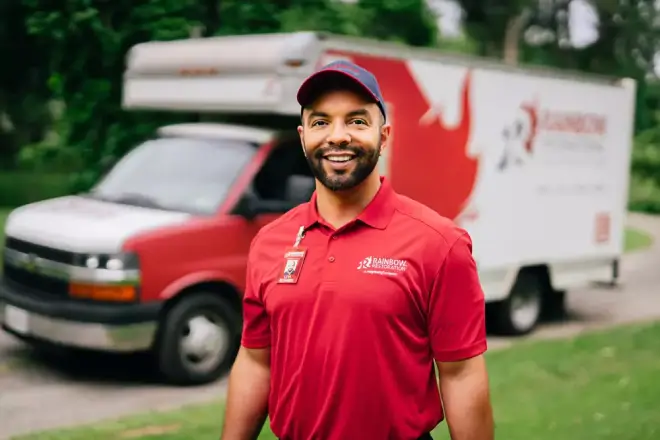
(102, 292)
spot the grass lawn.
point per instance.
(4, 212)
(597, 386)
(636, 240)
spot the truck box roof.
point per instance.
(262, 72)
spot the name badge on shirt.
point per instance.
(293, 261)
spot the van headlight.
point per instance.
(119, 261)
(113, 277)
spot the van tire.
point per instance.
(520, 312)
(215, 340)
(554, 306)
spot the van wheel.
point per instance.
(554, 306)
(520, 313)
(199, 339)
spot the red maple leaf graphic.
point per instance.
(532, 111)
(430, 162)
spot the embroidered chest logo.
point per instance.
(382, 266)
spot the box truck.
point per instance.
(533, 163)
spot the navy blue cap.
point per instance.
(324, 78)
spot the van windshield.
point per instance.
(179, 174)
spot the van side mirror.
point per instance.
(250, 207)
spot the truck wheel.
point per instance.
(521, 311)
(198, 340)
(554, 306)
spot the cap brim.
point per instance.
(326, 79)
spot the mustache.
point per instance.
(320, 152)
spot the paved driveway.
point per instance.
(36, 395)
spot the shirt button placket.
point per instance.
(331, 258)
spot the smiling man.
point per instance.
(351, 298)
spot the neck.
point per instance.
(341, 207)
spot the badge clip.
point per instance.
(299, 237)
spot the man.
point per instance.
(351, 297)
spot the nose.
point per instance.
(339, 135)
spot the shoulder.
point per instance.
(442, 243)
(434, 228)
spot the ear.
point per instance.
(302, 139)
(385, 132)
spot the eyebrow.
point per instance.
(315, 114)
(360, 112)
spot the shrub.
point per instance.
(21, 187)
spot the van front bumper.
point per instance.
(86, 325)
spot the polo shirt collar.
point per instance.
(377, 214)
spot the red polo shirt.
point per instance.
(353, 341)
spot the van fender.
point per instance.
(192, 279)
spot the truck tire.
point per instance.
(520, 313)
(554, 306)
(198, 339)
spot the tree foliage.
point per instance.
(88, 41)
(60, 94)
(486, 22)
(24, 115)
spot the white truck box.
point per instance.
(534, 163)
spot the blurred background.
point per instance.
(61, 126)
(60, 84)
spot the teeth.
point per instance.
(339, 158)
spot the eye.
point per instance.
(359, 121)
(316, 123)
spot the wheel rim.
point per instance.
(525, 310)
(204, 342)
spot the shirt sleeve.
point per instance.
(256, 322)
(457, 322)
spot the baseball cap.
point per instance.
(329, 76)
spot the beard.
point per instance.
(364, 162)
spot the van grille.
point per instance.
(45, 252)
(37, 284)
(34, 283)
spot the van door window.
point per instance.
(285, 179)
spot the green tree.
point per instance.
(487, 22)
(88, 41)
(24, 94)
